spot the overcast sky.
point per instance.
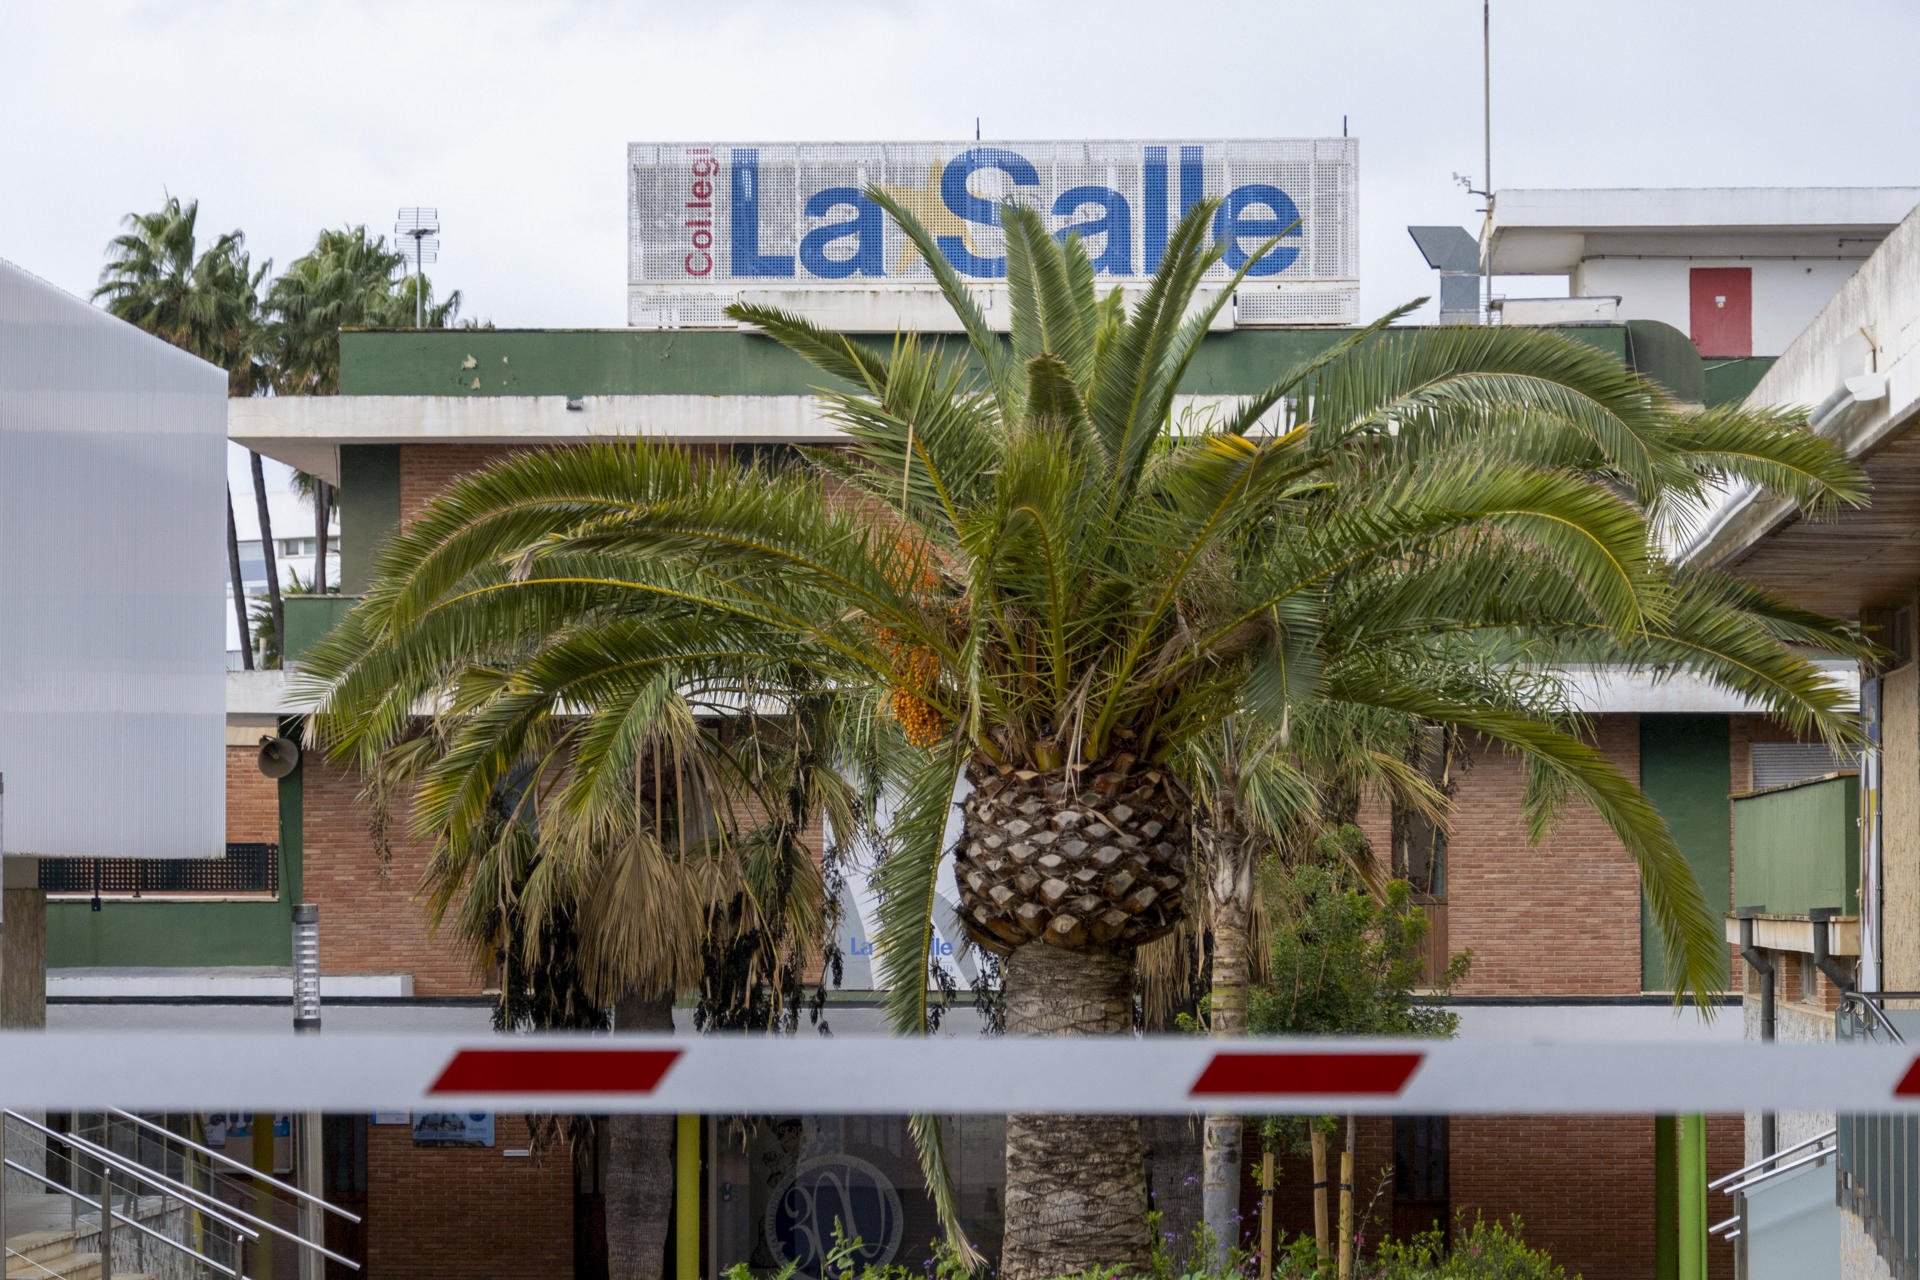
(512, 118)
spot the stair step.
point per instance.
(39, 1244)
(67, 1266)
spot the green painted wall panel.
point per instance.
(152, 933)
(1730, 381)
(311, 617)
(1666, 355)
(1795, 848)
(592, 362)
(1685, 770)
(369, 509)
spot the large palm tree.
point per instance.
(206, 302)
(350, 279)
(1052, 586)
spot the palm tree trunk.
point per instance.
(322, 511)
(639, 1178)
(1228, 858)
(239, 586)
(1076, 1197)
(266, 550)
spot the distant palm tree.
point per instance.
(348, 280)
(206, 303)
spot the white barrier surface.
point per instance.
(763, 1074)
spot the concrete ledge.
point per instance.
(176, 983)
(1795, 933)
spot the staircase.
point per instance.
(173, 1209)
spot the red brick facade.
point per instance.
(253, 800)
(466, 1211)
(426, 469)
(371, 917)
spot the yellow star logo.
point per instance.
(925, 204)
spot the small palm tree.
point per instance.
(1047, 588)
(206, 302)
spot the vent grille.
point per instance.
(1775, 764)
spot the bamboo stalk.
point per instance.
(1346, 1214)
(1266, 1214)
(1320, 1192)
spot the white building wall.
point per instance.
(1787, 292)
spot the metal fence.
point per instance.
(1879, 1155)
(247, 869)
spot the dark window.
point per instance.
(1420, 1158)
(1420, 843)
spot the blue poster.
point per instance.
(452, 1128)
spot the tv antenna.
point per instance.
(422, 226)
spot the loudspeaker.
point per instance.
(278, 757)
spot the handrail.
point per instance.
(231, 1163)
(162, 1179)
(1718, 1227)
(213, 1208)
(1764, 1161)
(141, 1227)
(1819, 1155)
(1861, 998)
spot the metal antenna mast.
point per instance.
(422, 226)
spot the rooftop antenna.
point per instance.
(422, 226)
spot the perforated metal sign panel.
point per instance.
(707, 220)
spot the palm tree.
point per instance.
(598, 846)
(350, 279)
(1048, 589)
(207, 303)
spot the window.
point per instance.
(1420, 843)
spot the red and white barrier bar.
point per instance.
(807, 1074)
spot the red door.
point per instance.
(1722, 319)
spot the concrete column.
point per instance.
(23, 992)
(23, 948)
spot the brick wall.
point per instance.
(426, 469)
(371, 917)
(253, 800)
(467, 1211)
(1583, 1185)
(1561, 917)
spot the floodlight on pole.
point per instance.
(422, 226)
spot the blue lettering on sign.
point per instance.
(747, 258)
(859, 945)
(1233, 221)
(1115, 223)
(866, 229)
(954, 193)
(853, 244)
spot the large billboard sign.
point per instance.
(709, 221)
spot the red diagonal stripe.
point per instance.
(1306, 1073)
(1909, 1086)
(555, 1071)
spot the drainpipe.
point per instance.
(1822, 959)
(1757, 961)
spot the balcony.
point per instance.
(1796, 847)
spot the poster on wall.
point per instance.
(453, 1129)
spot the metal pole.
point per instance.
(419, 283)
(1486, 145)
(1693, 1197)
(106, 1222)
(306, 1021)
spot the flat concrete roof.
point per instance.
(1548, 230)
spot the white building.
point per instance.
(1740, 270)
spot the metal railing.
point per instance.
(203, 1204)
(247, 868)
(1879, 1155)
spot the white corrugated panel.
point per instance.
(112, 471)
